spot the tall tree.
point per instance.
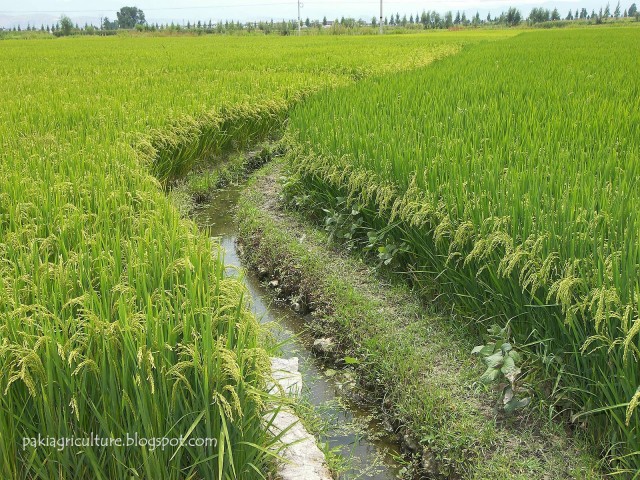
(66, 25)
(448, 19)
(539, 14)
(424, 19)
(513, 17)
(129, 17)
(109, 25)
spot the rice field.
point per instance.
(115, 315)
(497, 167)
(508, 176)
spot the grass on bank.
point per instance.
(199, 185)
(415, 361)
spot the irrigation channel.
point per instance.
(354, 429)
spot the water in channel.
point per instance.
(353, 429)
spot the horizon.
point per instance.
(41, 12)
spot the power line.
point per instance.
(198, 7)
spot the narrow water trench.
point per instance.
(353, 429)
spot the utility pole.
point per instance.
(381, 24)
(299, 5)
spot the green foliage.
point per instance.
(387, 250)
(513, 17)
(539, 15)
(109, 25)
(66, 25)
(342, 223)
(502, 363)
(130, 17)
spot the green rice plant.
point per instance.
(108, 331)
(510, 171)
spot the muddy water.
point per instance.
(352, 429)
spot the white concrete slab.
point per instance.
(303, 459)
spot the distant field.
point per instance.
(510, 173)
(114, 316)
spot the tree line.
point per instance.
(541, 15)
(134, 18)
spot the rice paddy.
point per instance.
(502, 165)
(115, 316)
(509, 174)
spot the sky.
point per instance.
(35, 12)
